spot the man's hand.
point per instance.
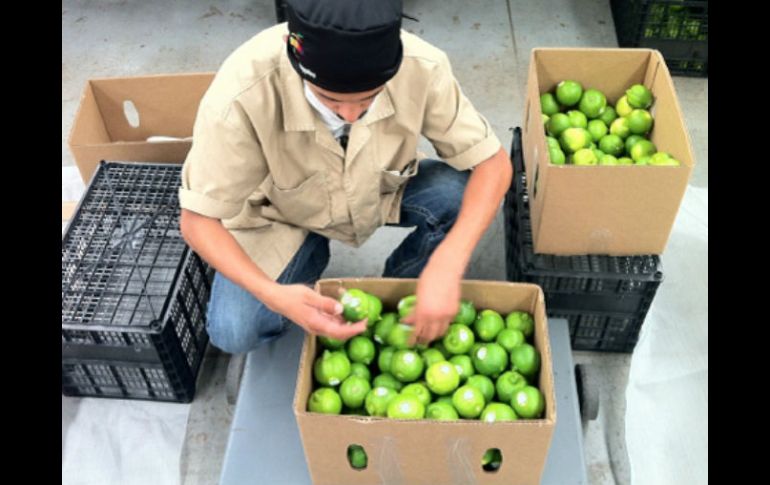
(438, 301)
(318, 314)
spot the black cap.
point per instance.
(345, 46)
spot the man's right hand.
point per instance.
(317, 314)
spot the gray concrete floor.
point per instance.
(489, 43)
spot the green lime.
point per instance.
(585, 156)
(467, 313)
(642, 148)
(557, 124)
(406, 305)
(573, 139)
(523, 321)
(376, 402)
(568, 92)
(399, 336)
(442, 378)
(325, 400)
(419, 390)
(508, 383)
(331, 343)
(385, 358)
(441, 411)
(551, 143)
(631, 141)
(407, 365)
(528, 402)
(625, 161)
(492, 460)
(445, 399)
(510, 338)
(548, 104)
(383, 328)
(490, 359)
(488, 324)
(593, 103)
(375, 308)
(431, 356)
(353, 391)
(361, 349)
(622, 107)
(497, 411)
(645, 160)
(608, 160)
(612, 145)
(545, 118)
(526, 359)
(483, 384)
(468, 401)
(355, 305)
(387, 380)
(331, 368)
(639, 96)
(597, 129)
(640, 121)
(439, 345)
(557, 156)
(405, 406)
(357, 457)
(464, 366)
(458, 339)
(608, 116)
(360, 370)
(577, 119)
(620, 128)
(662, 158)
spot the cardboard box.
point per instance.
(426, 451)
(614, 210)
(116, 116)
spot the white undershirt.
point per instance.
(337, 126)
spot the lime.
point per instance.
(331, 343)
(662, 158)
(406, 305)
(483, 384)
(557, 156)
(557, 124)
(407, 365)
(442, 378)
(441, 411)
(357, 457)
(510, 338)
(593, 103)
(325, 400)
(459, 339)
(573, 139)
(467, 313)
(608, 116)
(420, 391)
(385, 358)
(521, 321)
(639, 96)
(508, 383)
(360, 370)
(625, 161)
(431, 356)
(599, 154)
(375, 308)
(492, 460)
(399, 336)
(597, 129)
(355, 305)
(383, 328)
(463, 365)
(361, 349)
(568, 92)
(353, 391)
(526, 359)
(331, 368)
(552, 143)
(631, 141)
(612, 145)
(488, 324)
(405, 406)
(548, 104)
(490, 359)
(642, 148)
(645, 160)
(622, 107)
(577, 119)
(439, 345)
(528, 402)
(497, 411)
(620, 128)
(545, 118)
(640, 121)
(376, 402)
(608, 160)
(585, 156)
(468, 401)
(387, 380)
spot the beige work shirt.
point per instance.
(264, 163)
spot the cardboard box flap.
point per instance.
(88, 126)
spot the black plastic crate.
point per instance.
(134, 295)
(677, 28)
(605, 298)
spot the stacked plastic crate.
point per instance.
(134, 295)
(604, 298)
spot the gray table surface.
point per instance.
(265, 447)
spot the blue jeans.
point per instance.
(237, 322)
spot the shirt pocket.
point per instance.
(306, 205)
(392, 180)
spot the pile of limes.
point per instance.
(485, 366)
(582, 128)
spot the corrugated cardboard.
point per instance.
(426, 451)
(615, 210)
(106, 128)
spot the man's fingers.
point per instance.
(325, 304)
(333, 329)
